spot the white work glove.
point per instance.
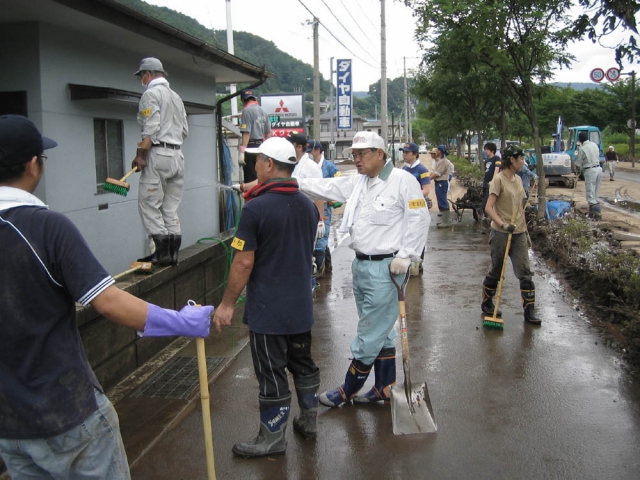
(241, 161)
(237, 187)
(509, 227)
(321, 230)
(399, 266)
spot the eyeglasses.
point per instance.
(43, 157)
(361, 154)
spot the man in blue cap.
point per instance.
(55, 420)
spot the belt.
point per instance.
(375, 258)
(254, 142)
(167, 145)
(590, 166)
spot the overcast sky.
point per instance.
(284, 22)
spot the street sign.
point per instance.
(613, 74)
(597, 75)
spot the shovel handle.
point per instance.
(400, 288)
(129, 173)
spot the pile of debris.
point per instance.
(588, 254)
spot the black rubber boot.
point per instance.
(489, 288)
(529, 303)
(274, 413)
(353, 382)
(328, 267)
(307, 390)
(162, 255)
(176, 241)
(384, 369)
(319, 259)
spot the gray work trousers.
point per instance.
(160, 191)
(518, 252)
(592, 179)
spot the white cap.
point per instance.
(278, 148)
(365, 140)
(611, 147)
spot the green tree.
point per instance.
(520, 40)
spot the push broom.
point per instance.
(119, 187)
(494, 321)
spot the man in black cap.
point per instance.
(55, 420)
(255, 128)
(163, 120)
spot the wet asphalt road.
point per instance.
(527, 402)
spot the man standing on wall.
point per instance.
(163, 119)
(255, 129)
(55, 420)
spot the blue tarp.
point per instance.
(556, 209)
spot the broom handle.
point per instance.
(129, 173)
(206, 412)
(504, 264)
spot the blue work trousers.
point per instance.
(377, 303)
(442, 187)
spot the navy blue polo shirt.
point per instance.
(490, 165)
(280, 228)
(420, 172)
(46, 383)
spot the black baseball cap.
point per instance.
(298, 139)
(247, 93)
(20, 140)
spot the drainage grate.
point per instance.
(178, 379)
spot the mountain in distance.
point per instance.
(577, 86)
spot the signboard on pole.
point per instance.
(613, 74)
(286, 112)
(344, 94)
(597, 75)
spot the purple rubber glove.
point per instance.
(191, 321)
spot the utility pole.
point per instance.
(632, 126)
(331, 112)
(316, 81)
(232, 87)
(406, 103)
(633, 119)
(384, 127)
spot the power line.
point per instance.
(347, 30)
(356, 22)
(336, 38)
(366, 16)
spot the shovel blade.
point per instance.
(413, 414)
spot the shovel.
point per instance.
(411, 410)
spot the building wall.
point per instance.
(44, 59)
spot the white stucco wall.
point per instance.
(44, 59)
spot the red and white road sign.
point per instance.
(597, 75)
(613, 74)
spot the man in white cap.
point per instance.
(274, 245)
(163, 120)
(386, 216)
(612, 159)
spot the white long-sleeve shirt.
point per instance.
(391, 214)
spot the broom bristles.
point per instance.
(492, 322)
(116, 186)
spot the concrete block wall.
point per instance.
(114, 351)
